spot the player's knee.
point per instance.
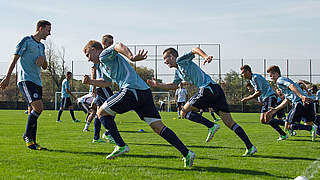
(183, 113)
(157, 126)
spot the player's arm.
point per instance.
(69, 92)
(252, 96)
(5, 82)
(96, 82)
(94, 76)
(200, 52)
(168, 86)
(42, 62)
(297, 92)
(124, 50)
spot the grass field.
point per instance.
(71, 154)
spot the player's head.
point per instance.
(92, 50)
(314, 89)
(68, 75)
(274, 72)
(43, 28)
(169, 56)
(246, 71)
(107, 40)
(250, 87)
(181, 85)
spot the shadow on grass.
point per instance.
(216, 170)
(189, 146)
(76, 152)
(305, 140)
(135, 132)
(279, 157)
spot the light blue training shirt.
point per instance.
(117, 68)
(29, 50)
(283, 84)
(318, 95)
(64, 87)
(259, 83)
(189, 71)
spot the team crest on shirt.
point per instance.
(35, 95)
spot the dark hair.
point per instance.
(274, 69)
(246, 68)
(314, 88)
(69, 73)
(249, 85)
(43, 23)
(171, 51)
(106, 36)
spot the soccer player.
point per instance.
(211, 110)
(180, 98)
(134, 94)
(31, 52)
(65, 98)
(316, 92)
(162, 105)
(301, 103)
(210, 94)
(107, 41)
(85, 102)
(281, 115)
(268, 97)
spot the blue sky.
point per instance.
(246, 29)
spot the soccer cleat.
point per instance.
(212, 131)
(29, 141)
(188, 160)
(118, 151)
(281, 138)
(109, 138)
(98, 141)
(37, 147)
(250, 152)
(86, 130)
(313, 133)
(59, 120)
(217, 119)
(76, 121)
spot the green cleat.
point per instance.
(59, 120)
(217, 119)
(188, 160)
(212, 131)
(118, 151)
(250, 152)
(98, 141)
(76, 121)
(281, 138)
(108, 138)
(313, 133)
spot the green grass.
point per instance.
(71, 154)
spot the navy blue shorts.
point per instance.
(65, 102)
(102, 95)
(300, 112)
(316, 106)
(141, 102)
(269, 102)
(180, 104)
(212, 97)
(30, 91)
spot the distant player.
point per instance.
(65, 98)
(180, 98)
(32, 58)
(85, 103)
(301, 103)
(268, 97)
(210, 94)
(162, 105)
(316, 93)
(134, 94)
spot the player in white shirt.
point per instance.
(180, 98)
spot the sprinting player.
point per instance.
(268, 97)
(32, 58)
(134, 94)
(211, 111)
(180, 98)
(210, 93)
(65, 98)
(301, 103)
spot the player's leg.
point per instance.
(62, 106)
(179, 109)
(70, 107)
(148, 112)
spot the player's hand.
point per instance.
(40, 61)
(208, 59)
(306, 100)
(140, 56)
(270, 113)
(153, 82)
(86, 79)
(5, 82)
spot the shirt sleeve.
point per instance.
(186, 57)
(257, 86)
(177, 79)
(21, 47)
(284, 82)
(108, 54)
(42, 50)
